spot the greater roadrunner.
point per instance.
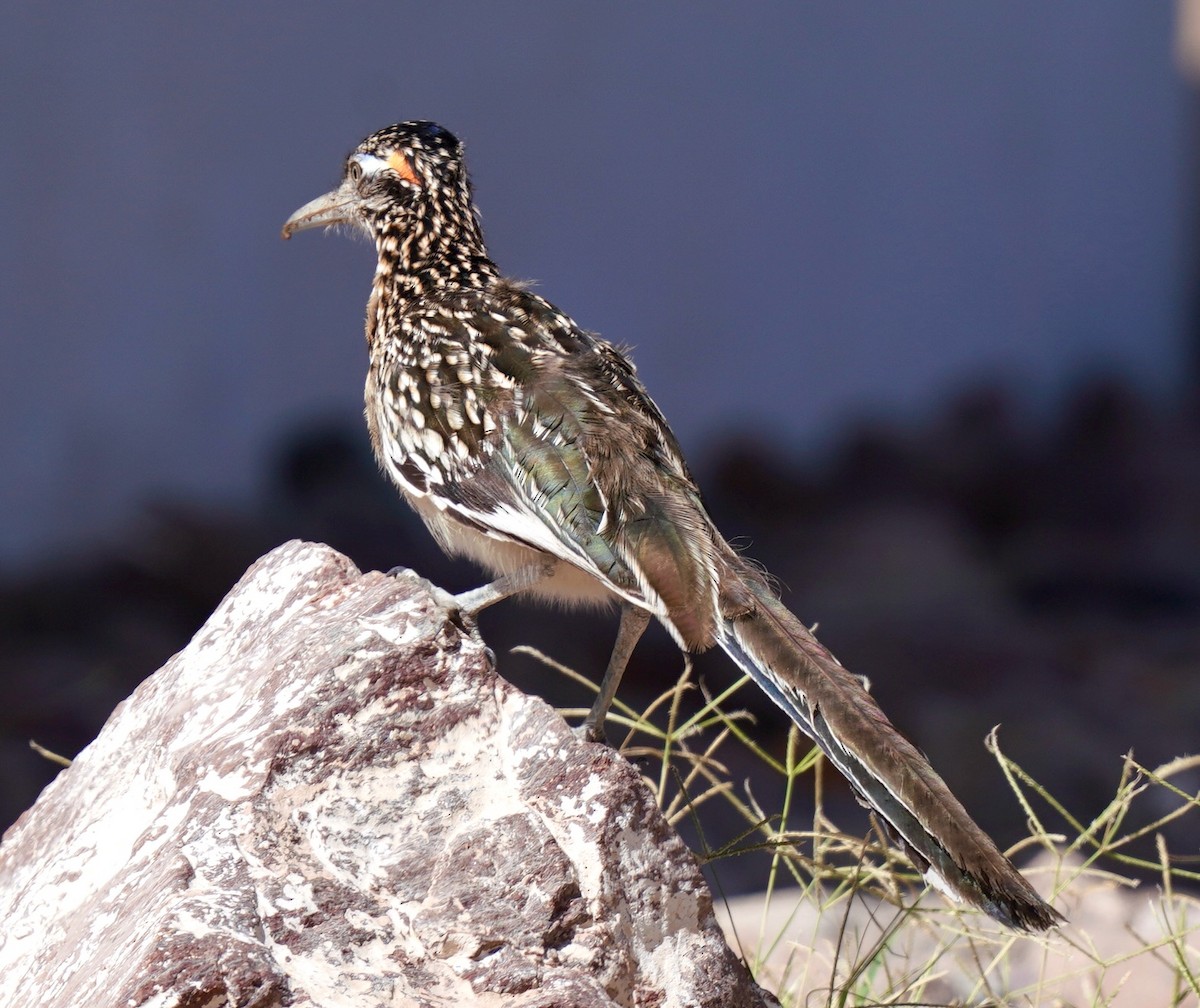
(531, 446)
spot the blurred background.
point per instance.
(915, 284)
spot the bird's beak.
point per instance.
(333, 208)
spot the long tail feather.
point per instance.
(832, 707)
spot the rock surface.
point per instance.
(329, 798)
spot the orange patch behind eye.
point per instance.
(403, 167)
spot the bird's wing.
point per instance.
(552, 474)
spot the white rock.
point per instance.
(329, 798)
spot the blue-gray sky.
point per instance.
(798, 213)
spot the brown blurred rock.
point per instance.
(329, 797)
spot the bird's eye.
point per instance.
(354, 171)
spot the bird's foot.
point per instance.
(591, 732)
(443, 598)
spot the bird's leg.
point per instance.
(477, 599)
(633, 625)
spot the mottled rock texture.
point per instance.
(329, 798)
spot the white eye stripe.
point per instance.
(370, 163)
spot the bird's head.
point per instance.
(407, 179)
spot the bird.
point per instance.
(531, 446)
